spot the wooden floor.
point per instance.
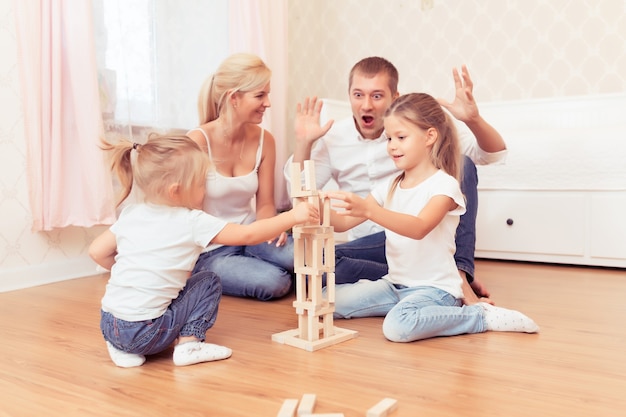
(53, 361)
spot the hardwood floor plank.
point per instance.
(53, 360)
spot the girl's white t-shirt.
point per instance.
(429, 261)
(157, 248)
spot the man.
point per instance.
(353, 152)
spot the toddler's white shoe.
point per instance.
(124, 359)
(190, 353)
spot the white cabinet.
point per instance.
(561, 196)
(531, 222)
(580, 228)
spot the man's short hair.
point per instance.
(374, 65)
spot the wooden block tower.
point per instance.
(314, 256)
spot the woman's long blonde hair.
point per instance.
(161, 161)
(239, 73)
(423, 111)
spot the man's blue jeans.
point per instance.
(364, 258)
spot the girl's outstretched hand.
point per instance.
(350, 203)
(306, 213)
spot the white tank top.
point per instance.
(231, 198)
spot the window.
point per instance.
(153, 56)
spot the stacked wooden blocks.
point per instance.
(314, 256)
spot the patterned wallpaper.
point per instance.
(514, 50)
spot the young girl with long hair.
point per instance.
(151, 299)
(422, 296)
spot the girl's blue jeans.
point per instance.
(192, 313)
(410, 313)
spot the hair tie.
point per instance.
(135, 145)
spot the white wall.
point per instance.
(514, 50)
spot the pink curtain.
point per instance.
(260, 27)
(69, 183)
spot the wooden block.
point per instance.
(298, 252)
(383, 408)
(288, 408)
(313, 329)
(301, 287)
(330, 288)
(326, 212)
(309, 175)
(291, 338)
(308, 308)
(308, 270)
(329, 252)
(317, 258)
(296, 179)
(329, 328)
(308, 252)
(307, 403)
(315, 289)
(303, 329)
(326, 415)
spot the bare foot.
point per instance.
(479, 289)
(470, 295)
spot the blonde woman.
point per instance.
(240, 184)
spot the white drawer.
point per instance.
(531, 222)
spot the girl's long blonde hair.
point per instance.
(240, 72)
(161, 161)
(423, 111)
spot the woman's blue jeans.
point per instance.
(192, 313)
(261, 271)
(410, 313)
(364, 258)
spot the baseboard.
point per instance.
(46, 273)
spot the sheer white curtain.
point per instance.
(153, 56)
(67, 178)
(260, 27)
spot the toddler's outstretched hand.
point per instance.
(306, 213)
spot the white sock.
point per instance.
(124, 359)
(195, 352)
(505, 320)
